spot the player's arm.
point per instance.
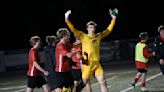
(71, 26)
(67, 53)
(146, 53)
(40, 68)
(109, 29)
(70, 54)
(36, 65)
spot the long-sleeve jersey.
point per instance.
(91, 43)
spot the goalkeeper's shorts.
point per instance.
(89, 71)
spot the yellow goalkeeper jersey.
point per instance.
(91, 43)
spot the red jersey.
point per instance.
(75, 59)
(33, 57)
(162, 38)
(62, 61)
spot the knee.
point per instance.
(102, 82)
(75, 84)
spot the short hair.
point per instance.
(61, 32)
(160, 28)
(34, 39)
(143, 35)
(91, 23)
(50, 38)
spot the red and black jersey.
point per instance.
(62, 61)
(33, 57)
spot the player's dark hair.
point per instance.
(50, 39)
(143, 35)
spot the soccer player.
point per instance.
(76, 70)
(49, 52)
(35, 79)
(63, 55)
(159, 47)
(141, 60)
(91, 47)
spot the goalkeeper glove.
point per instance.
(67, 14)
(113, 13)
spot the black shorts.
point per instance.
(63, 79)
(76, 74)
(144, 70)
(36, 81)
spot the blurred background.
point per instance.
(22, 19)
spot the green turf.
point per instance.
(117, 81)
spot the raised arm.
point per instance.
(71, 26)
(109, 29)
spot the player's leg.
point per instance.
(41, 82)
(143, 78)
(85, 77)
(162, 68)
(77, 76)
(81, 85)
(68, 81)
(75, 85)
(29, 89)
(46, 88)
(31, 83)
(136, 77)
(58, 90)
(53, 90)
(88, 86)
(59, 81)
(99, 74)
(102, 82)
(51, 81)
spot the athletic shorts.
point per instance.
(89, 71)
(76, 74)
(63, 79)
(143, 70)
(35, 81)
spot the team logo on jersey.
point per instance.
(94, 41)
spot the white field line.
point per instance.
(148, 79)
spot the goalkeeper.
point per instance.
(91, 46)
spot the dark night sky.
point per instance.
(21, 20)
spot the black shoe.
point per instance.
(133, 84)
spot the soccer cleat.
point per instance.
(133, 84)
(144, 89)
